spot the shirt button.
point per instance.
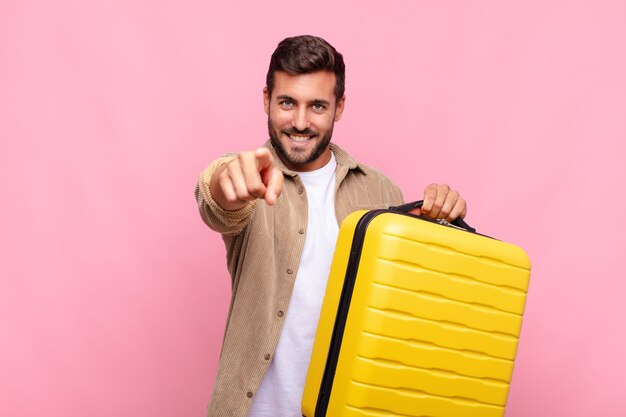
(249, 394)
(280, 313)
(301, 231)
(267, 357)
(300, 190)
(289, 271)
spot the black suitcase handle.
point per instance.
(405, 208)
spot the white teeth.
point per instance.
(299, 138)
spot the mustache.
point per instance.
(305, 132)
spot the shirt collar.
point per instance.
(342, 157)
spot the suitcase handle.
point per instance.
(458, 222)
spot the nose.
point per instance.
(300, 119)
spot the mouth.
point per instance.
(300, 138)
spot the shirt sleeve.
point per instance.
(226, 222)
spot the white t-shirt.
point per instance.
(280, 393)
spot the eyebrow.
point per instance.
(318, 101)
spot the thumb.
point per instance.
(416, 211)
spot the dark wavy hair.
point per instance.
(306, 54)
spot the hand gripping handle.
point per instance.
(405, 208)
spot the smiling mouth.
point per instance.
(300, 138)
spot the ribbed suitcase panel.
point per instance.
(367, 400)
(464, 288)
(440, 307)
(427, 355)
(398, 375)
(448, 260)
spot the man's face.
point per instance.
(301, 113)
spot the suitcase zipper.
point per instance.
(444, 222)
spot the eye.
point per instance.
(286, 103)
(319, 107)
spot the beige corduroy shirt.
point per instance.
(264, 245)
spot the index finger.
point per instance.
(430, 194)
(263, 158)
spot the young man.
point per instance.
(278, 209)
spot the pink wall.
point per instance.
(113, 294)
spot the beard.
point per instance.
(298, 156)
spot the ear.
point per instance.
(266, 100)
(339, 108)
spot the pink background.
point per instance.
(113, 294)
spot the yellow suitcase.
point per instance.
(419, 319)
